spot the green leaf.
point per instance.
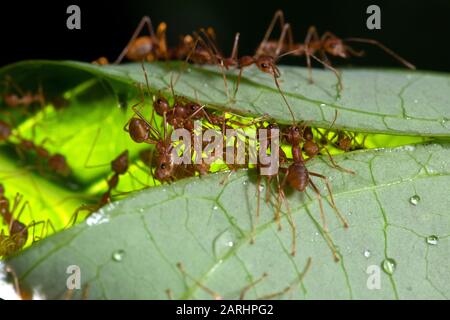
(375, 101)
(131, 248)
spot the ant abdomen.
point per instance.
(161, 106)
(139, 130)
(58, 164)
(140, 49)
(298, 176)
(120, 164)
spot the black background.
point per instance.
(418, 30)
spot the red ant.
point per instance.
(146, 48)
(312, 148)
(119, 166)
(56, 162)
(299, 178)
(21, 98)
(265, 63)
(17, 231)
(328, 43)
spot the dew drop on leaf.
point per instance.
(367, 253)
(414, 200)
(432, 240)
(118, 255)
(389, 265)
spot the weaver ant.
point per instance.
(299, 178)
(56, 162)
(18, 233)
(21, 98)
(145, 48)
(119, 166)
(327, 44)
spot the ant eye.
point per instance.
(162, 166)
(264, 65)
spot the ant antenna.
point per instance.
(384, 48)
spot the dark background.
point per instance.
(417, 30)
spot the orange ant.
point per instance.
(299, 178)
(265, 63)
(327, 44)
(311, 148)
(17, 231)
(56, 162)
(145, 48)
(21, 98)
(119, 166)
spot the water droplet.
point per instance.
(245, 182)
(118, 255)
(432, 240)
(350, 213)
(323, 105)
(389, 265)
(215, 208)
(205, 85)
(414, 200)
(164, 190)
(223, 243)
(141, 210)
(367, 253)
(416, 101)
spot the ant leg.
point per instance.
(311, 35)
(279, 15)
(338, 75)
(319, 198)
(384, 48)
(335, 164)
(287, 30)
(330, 192)
(215, 295)
(145, 21)
(251, 285)
(292, 285)
(169, 294)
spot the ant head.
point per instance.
(194, 110)
(294, 135)
(267, 64)
(335, 47)
(5, 130)
(58, 163)
(139, 130)
(161, 106)
(164, 169)
(120, 164)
